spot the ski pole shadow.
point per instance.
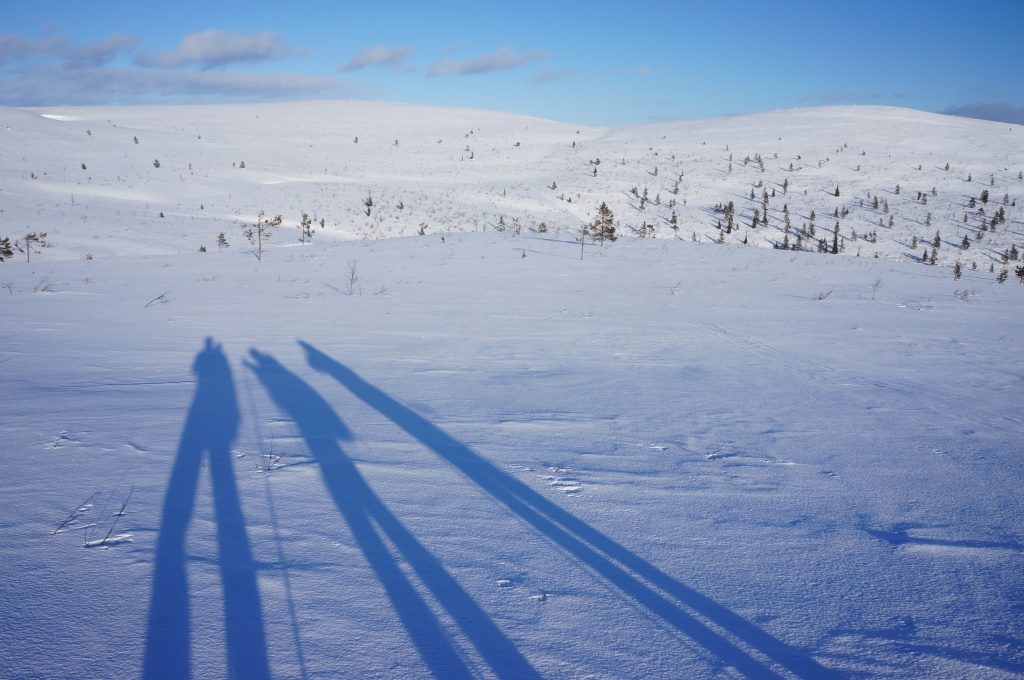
(705, 621)
(210, 428)
(374, 526)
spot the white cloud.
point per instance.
(213, 48)
(380, 55)
(501, 60)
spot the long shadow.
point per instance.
(631, 574)
(371, 522)
(210, 427)
(899, 536)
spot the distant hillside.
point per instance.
(89, 177)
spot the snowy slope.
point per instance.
(305, 158)
(667, 459)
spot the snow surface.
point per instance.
(667, 459)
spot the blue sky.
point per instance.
(596, 62)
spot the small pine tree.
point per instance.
(966, 243)
(6, 251)
(222, 241)
(984, 196)
(1019, 271)
(1003, 273)
(262, 229)
(30, 241)
(937, 241)
(156, 163)
(957, 270)
(837, 191)
(306, 230)
(603, 227)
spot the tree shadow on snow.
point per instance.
(700, 618)
(210, 428)
(373, 526)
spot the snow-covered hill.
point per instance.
(475, 454)
(448, 170)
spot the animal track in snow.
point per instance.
(563, 484)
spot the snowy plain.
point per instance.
(471, 453)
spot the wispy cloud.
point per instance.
(213, 48)
(380, 55)
(1003, 113)
(545, 77)
(50, 85)
(14, 48)
(100, 52)
(501, 60)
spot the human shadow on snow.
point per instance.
(373, 526)
(691, 613)
(210, 428)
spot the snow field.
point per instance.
(667, 459)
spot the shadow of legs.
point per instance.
(627, 571)
(371, 522)
(210, 428)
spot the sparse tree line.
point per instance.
(762, 215)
